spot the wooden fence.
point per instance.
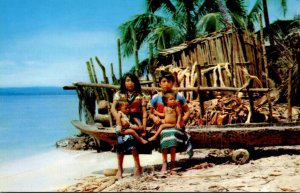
(239, 50)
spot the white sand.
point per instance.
(59, 168)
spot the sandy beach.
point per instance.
(64, 170)
(59, 168)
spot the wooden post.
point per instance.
(90, 72)
(85, 102)
(105, 90)
(232, 60)
(289, 94)
(93, 70)
(251, 99)
(266, 67)
(119, 59)
(113, 76)
(103, 70)
(201, 112)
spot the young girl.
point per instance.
(172, 140)
(127, 128)
(171, 114)
(130, 91)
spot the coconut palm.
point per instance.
(167, 23)
(283, 4)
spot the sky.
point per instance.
(48, 42)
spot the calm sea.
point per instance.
(33, 119)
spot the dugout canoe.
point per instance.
(225, 136)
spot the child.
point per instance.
(171, 140)
(127, 127)
(171, 114)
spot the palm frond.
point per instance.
(283, 4)
(237, 7)
(155, 5)
(210, 22)
(239, 21)
(143, 24)
(167, 36)
(253, 15)
(207, 6)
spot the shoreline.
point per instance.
(61, 170)
(58, 168)
(268, 172)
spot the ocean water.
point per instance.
(31, 122)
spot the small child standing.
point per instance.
(171, 114)
(126, 127)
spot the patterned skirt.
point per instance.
(176, 138)
(127, 143)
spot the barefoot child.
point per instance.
(127, 127)
(171, 114)
(172, 140)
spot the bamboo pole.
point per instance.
(119, 59)
(266, 66)
(103, 70)
(232, 89)
(289, 94)
(114, 79)
(95, 80)
(105, 90)
(201, 112)
(93, 70)
(90, 72)
(232, 61)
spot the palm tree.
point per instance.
(283, 4)
(167, 23)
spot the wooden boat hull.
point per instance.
(246, 136)
(103, 134)
(229, 136)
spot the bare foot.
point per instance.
(119, 174)
(172, 165)
(144, 141)
(152, 138)
(164, 167)
(138, 172)
(173, 172)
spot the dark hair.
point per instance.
(167, 75)
(120, 103)
(134, 79)
(167, 95)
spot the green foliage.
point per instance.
(167, 23)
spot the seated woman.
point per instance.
(130, 91)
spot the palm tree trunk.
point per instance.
(119, 59)
(135, 49)
(225, 14)
(267, 23)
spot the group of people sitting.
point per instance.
(168, 111)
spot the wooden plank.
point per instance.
(116, 87)
(225, 136)
(235, 137)
(108, 134)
